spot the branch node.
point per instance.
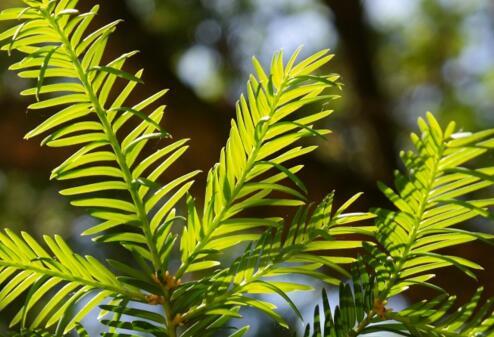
(178, 320)
(155, 299)
(379, 307)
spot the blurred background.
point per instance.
(398, 60)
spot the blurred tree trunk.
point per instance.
(372, 107)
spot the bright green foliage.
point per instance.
(427, 318)
(79, 329)
(252, 164)
(114, 175)
(275, 255)
(355, 302)
(433, 318)
(432, 196)
(26, 265)
(85, 114)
